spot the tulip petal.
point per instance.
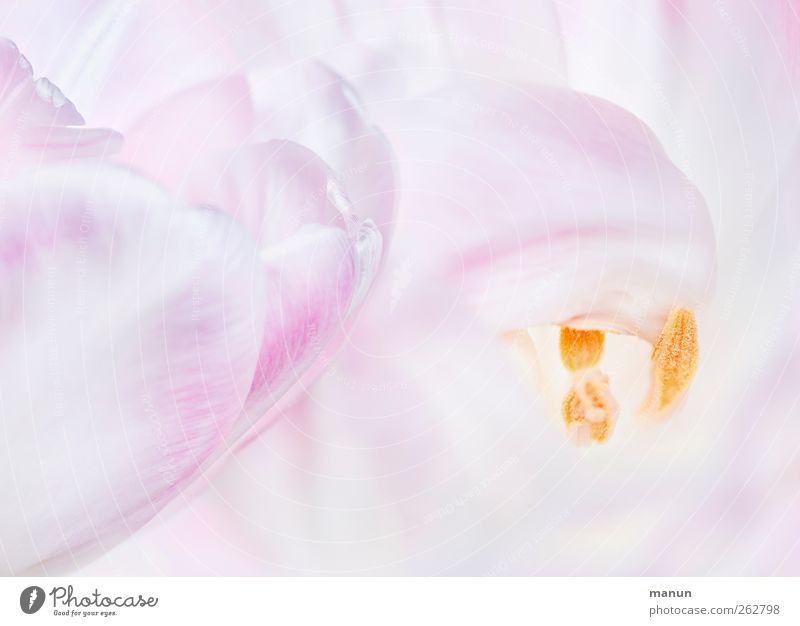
(320, 257)
(37, 122)
(41, 101)
(185, 140)
(310, 104)
(130, 333)
(562, 207)
(717, 81)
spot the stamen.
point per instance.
(674, 358)
(589, 409)
(580, 349)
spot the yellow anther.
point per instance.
(589, 409)
(674, 358)
(580, 349)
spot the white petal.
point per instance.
(717, 81)
(559, 207)
(130, 332)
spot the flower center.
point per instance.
(589, 408)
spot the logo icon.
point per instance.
(31, 599)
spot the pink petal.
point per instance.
(41, 101)
(320, 257)
(37, 121)
(557, 206)
(131, 332)
(310, 104)
(186, 140)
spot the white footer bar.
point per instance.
(406, 601)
